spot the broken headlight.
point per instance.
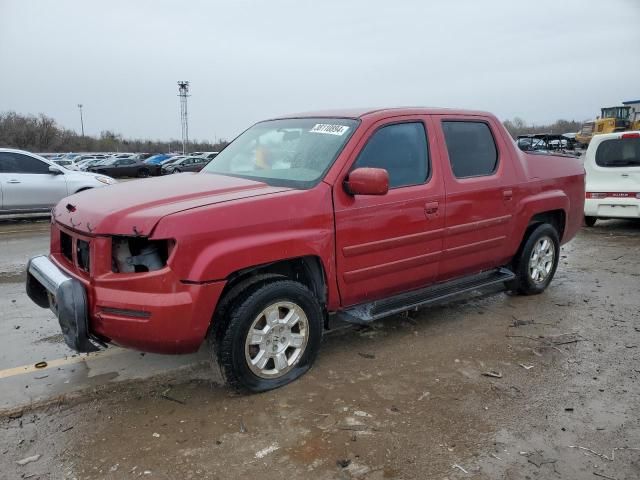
(139, 254)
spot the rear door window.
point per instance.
(472, 150)
(619, 152)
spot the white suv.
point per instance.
(612, 163)
(31, 184)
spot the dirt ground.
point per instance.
(405, 398)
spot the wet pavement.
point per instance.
(30, 335)
(408, 397)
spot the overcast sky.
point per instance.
(248, 60)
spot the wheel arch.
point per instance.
(307, 270)
(556, 218)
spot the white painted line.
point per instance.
(60, 362)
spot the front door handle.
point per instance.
(431, 209)
(13, 181)
(507, 194)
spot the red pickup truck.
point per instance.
(359, 213)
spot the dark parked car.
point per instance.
(126, 167)
(188, 164)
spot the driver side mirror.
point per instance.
(367, 181)
(55, 170)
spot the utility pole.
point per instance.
(183, 93)
(81, 119)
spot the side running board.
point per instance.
(368, 312)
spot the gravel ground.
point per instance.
(405, 398)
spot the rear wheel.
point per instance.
(272, 337)
(590, 221)
(537, 261)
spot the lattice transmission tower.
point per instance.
(183, 93)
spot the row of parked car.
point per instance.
(132, 164)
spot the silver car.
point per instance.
(32, 184)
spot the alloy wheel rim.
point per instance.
(276, 340)
(542, 260)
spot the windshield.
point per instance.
(623, 152)
(294, 152)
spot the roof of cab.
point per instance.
(357, 113)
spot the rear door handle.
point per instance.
(13, 181)
(507, 194)
(431, 209)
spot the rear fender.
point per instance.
(533, 205)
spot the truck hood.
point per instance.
(134, 208)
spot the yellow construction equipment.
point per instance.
(583, 137)
(613, 119)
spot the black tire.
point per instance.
(248, 306)
(524, 283)
(176, 170)
(590, 221)
(143, 173)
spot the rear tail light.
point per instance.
(600, 195)
(630, 135)
(596, 195)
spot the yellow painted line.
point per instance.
(59, 362)
(7, 232)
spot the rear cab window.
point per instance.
(619, 152)
(471, 147)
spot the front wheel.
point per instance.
(537, 261)
(590, 221)
(272, 338)
(143, 173)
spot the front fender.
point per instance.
(222, 258)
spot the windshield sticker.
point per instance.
(329, 129)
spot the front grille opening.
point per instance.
(66, 246)
(138, 254)
(82, 254)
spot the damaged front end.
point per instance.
(139, 254)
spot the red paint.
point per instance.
(369, 246)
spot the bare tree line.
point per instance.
(518, 126)
(42, 134)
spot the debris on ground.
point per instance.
(343, 463)
(351, 423)
(266, 451)
(492, 373)
(520, 323)
(538, 459)
(360, 413)
(33, 458)
(603, 476)
(455, 465)
(367, 355)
